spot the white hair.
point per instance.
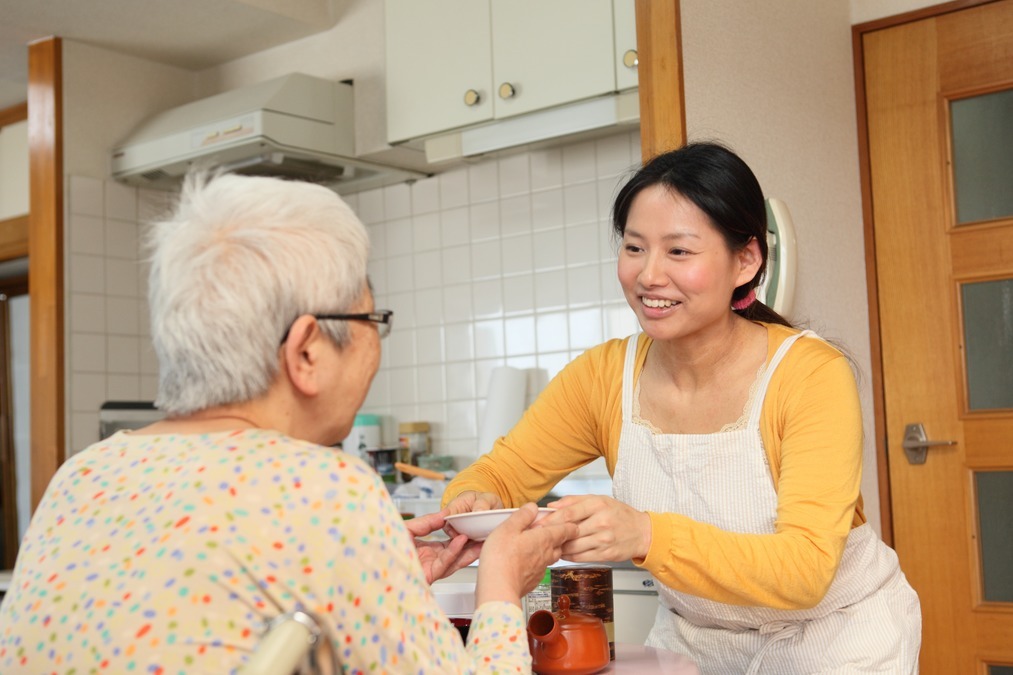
(237, 262)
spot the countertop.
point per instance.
(635, 659)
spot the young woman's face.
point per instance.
(675, 268)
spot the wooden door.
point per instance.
(944, 274)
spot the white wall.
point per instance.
(109, 355)
(108, 349)
(775, 81)
(105, 95)
(14, 170)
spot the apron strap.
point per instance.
(761, 390)
(778, 631)
(631, 359)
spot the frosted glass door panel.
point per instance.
(982, 129)
(988, 337)
(995, 522)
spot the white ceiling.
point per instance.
(191, 34)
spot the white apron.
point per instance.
(870, 619)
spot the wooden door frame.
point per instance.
(858, 33)
(659, 77)
(45, 252)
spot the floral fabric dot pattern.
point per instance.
(169, 555)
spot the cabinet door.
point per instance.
(437, 52)
(625, 21)
(550, 52)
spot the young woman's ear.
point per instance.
(750, 259)
(300, 355)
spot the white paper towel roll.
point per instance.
(504, 406)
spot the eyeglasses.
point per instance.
(383, 318)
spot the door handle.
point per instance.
(916, 444)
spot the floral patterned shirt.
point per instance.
(169, 554)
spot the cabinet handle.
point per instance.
(630, 59)
(506, 90)
(472, 97)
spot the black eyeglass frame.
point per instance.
(383, 318)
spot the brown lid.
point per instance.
(412, 427)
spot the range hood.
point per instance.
(294, 126)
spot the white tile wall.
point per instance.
(109, 353)
(508, 261)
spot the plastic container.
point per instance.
(413, 440)
(540, 597)
(365, 435)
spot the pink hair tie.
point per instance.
(746, 301)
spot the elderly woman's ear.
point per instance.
(301, 353)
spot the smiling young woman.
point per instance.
(734, 442)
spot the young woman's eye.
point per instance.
(632, 248)
(678, 252)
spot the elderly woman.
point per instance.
(169, 549)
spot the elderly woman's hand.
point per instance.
(440, 559)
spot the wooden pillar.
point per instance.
(45, 253)
(659, 52)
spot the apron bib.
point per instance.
(869, 620)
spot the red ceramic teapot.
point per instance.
(567, 643)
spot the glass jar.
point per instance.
(413, 440)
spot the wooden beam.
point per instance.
(659, 69)
(13, 114)
(45, 272)
(13, 238)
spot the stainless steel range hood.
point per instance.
(294, 126)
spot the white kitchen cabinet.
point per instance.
(456, 63)
(550, 52)
(624, 20)
(439, 66)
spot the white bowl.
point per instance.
(479, 524)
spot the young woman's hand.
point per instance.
(515, 555)
(440, 559)
(607, 530)
(469, 501)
